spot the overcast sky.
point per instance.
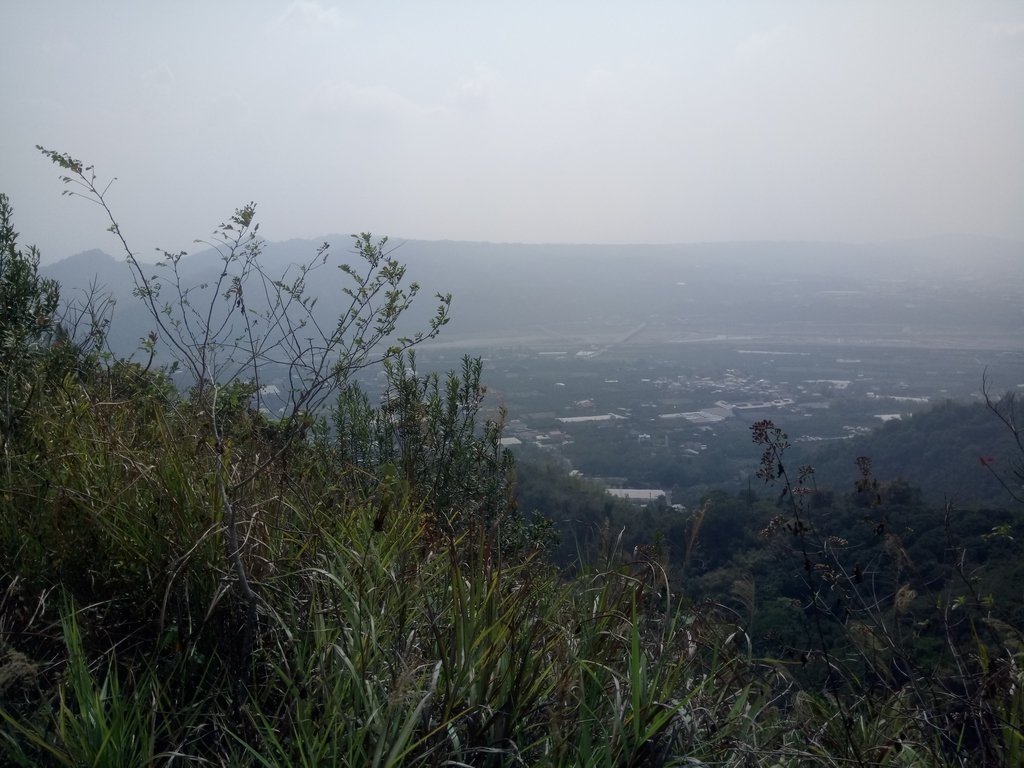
(527, 122)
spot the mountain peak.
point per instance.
(94, 257)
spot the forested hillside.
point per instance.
(188, 578)
(951, 452)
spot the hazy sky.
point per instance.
(527, 121)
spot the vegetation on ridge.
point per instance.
(187, 578)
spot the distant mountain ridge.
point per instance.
(944, 289)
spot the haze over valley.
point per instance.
(942, 292)
(683, 347)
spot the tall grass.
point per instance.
(381, 639)
(384, 635)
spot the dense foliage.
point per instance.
(187, 578)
